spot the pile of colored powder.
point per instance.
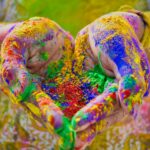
(72, 95)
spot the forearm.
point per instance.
(29, 93)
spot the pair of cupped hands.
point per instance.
(120, 98)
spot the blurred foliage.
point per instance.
(72, 15)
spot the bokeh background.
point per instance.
(72, 15)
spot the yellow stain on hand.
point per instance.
(33, 109)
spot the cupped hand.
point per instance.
(113, 43)
(27, 50)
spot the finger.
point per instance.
(97, 109)
(85, 137)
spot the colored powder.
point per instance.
(42, 44)
(98, 78)
(71, 96)
(74, 91)
(129, 82)
(67, 134)
(27, 92)
(44, 56)
(54, 68)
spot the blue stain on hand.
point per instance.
(116, 50)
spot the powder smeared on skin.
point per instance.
(66, 82)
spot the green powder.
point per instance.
(27, 92)
(98, 78)
(68, 135)
(44, 56)
(54, 69)
(129, 82)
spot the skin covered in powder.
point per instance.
(80, 65)
(27, 51)
(116, 37)
(39, 56)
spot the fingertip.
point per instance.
(77, 119)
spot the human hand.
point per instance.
(89, 130)
(26, 53)
(121, 55)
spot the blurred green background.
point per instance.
(72, 15)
